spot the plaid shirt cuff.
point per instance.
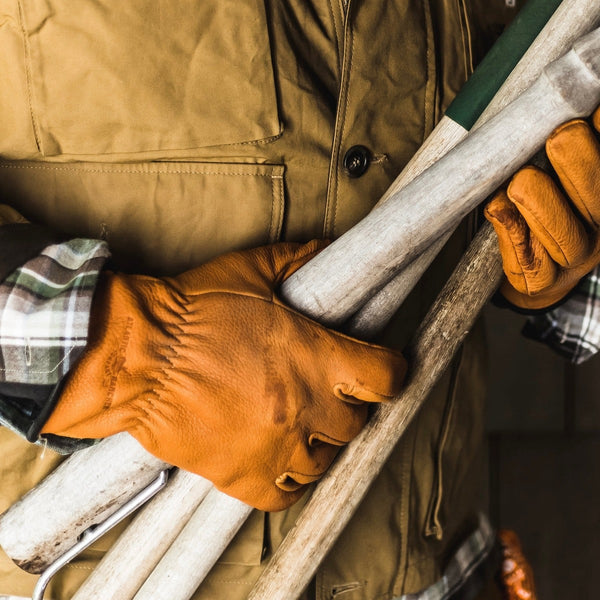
(473, 564)
(44, 316)
(572, 329)
(44, 311)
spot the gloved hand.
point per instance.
(550, 240)
(211, 372)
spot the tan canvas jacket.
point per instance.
(180, 130)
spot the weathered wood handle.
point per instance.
(141, 546)
(40, 527)
(449, 135)
(7, 531)
(343, 487)
(402, 227)
(198, 547)
(571, 20)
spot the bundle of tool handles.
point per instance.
(349, 282)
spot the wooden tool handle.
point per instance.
(343, 486)
(28, 516)
(367, 257)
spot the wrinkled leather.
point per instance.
(516, 574)
(211, 372)
(403, 62)
(549, 233)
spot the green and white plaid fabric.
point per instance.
(573, 328)
(467, 570)
(44, 311)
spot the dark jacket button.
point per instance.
(356, 161)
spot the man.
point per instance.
(178, 132)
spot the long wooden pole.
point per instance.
(132, 558)
(58, 531)
(121, 456)
(159, 585)
(402, 227)
(343, 487)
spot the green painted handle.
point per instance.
(498, 63)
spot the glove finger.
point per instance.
(362, 372)
(549, 216)
(574, 153)
(307, 464)
(303, 255)
(337, 423)
(263, 495)
(527, 264)
(276, 262)
(292, 481)
(257, 271)
(596, 119)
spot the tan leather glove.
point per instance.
(549, 239)
(211, 372)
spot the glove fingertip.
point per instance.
(500, 210)
(384, 385)
(596, 119)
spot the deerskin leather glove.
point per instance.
(212, 372)
(550, 237)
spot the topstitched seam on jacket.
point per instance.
(79, 566)
(333, 177)
(336, 33)
(430, 89)
(466, 37)
(139, 171)
(28, 77)
(266, 140)
(238, 581)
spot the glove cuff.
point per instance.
(93, 385)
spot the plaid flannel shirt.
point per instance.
(573, 328)
(44, 315)
(473, 564)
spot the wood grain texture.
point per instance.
(44, 501)
(40, 527)
(343, 487)
(200, 544)
(129, 562)
(572, 20)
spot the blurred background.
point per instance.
(543, 423)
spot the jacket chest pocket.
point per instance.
(137, 79)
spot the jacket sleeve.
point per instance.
(572, 329)
(46, 289)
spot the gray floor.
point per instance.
(544, 432)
